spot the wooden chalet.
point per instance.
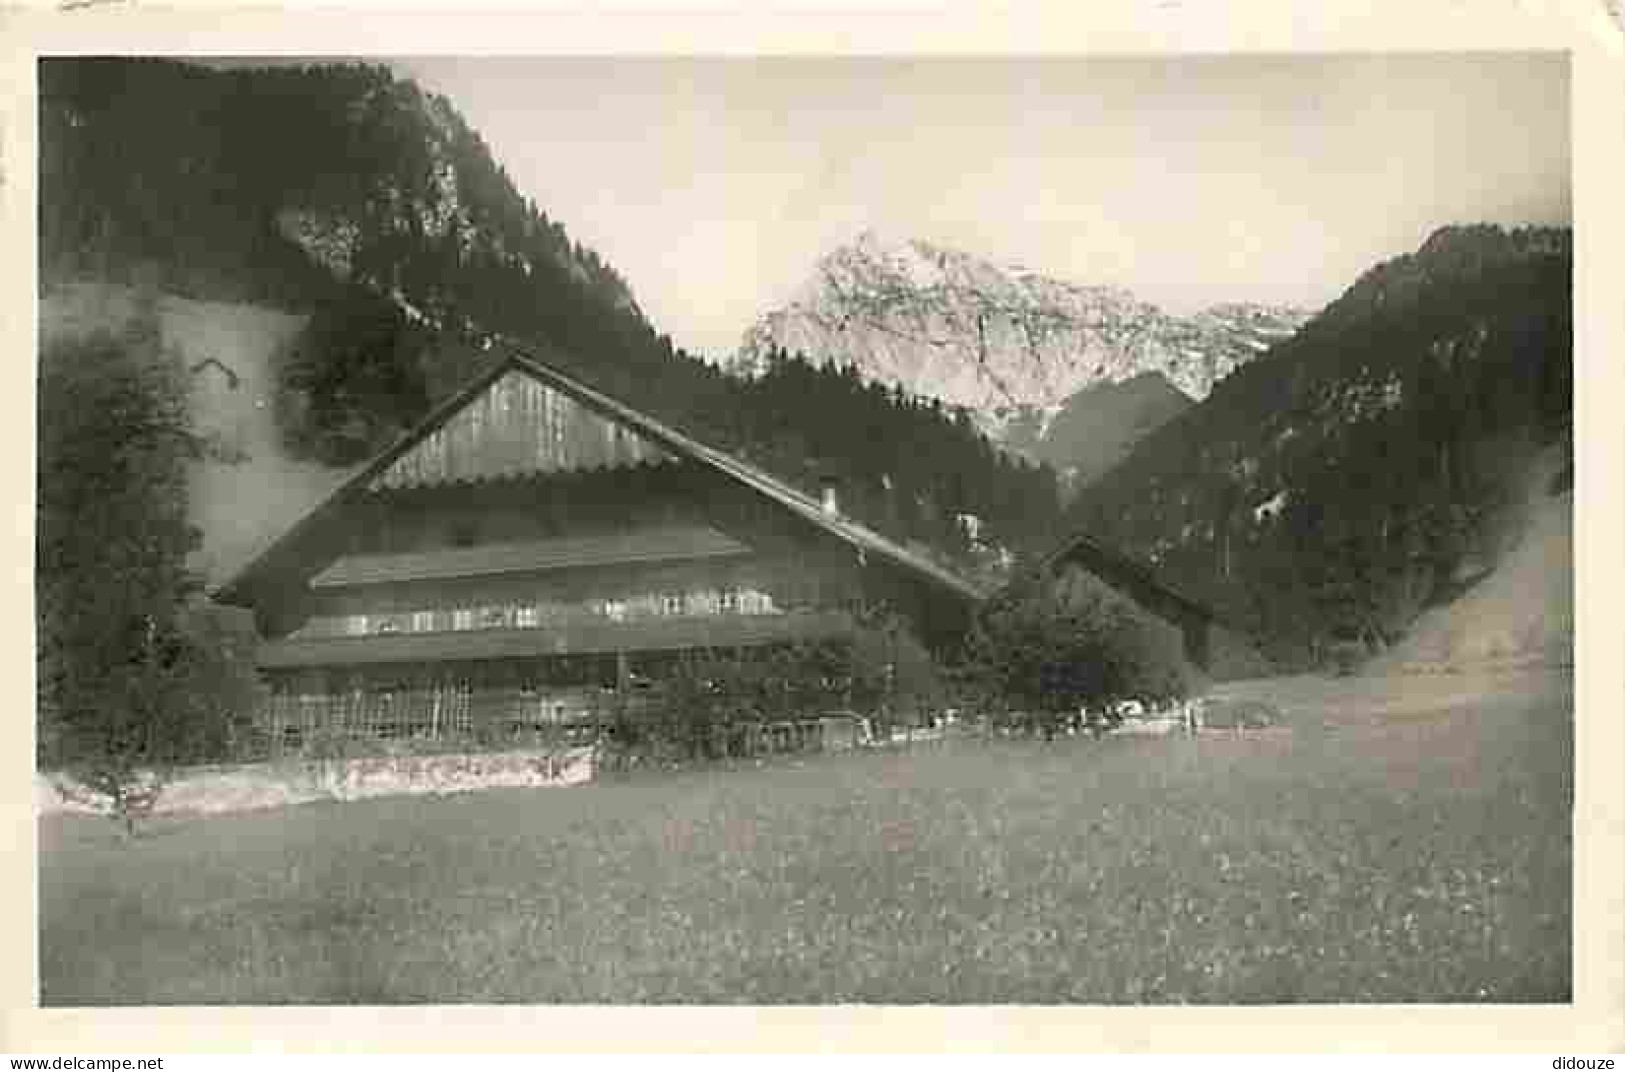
(534, 554)
(1194, 619)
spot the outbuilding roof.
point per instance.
(1113, 565)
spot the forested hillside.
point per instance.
(1098, 427)
(1372, 464)
(346, 193)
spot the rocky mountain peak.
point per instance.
(1000, 341)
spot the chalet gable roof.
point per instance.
(654, 440)
(518, 426)
(666, 543)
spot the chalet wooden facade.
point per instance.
(535, 554)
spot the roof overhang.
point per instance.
(239, 590)
(643, 546)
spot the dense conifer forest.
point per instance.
(1374, 462)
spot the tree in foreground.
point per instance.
(1050, 646)
(710, 699)
(132, 680)
(895, 679)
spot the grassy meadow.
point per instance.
(1398, 840)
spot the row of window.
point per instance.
(541, 615)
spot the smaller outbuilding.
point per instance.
(1194, 619)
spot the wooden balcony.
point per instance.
(581, 636)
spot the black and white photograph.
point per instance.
(751, 530)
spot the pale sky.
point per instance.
(713, 186)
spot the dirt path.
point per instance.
(1310, 701)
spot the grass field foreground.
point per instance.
(1399, 841)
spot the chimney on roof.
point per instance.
(829, 494)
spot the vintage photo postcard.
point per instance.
(787, 530)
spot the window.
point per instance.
(423, 621)
(493, 617)
(615, 610)
(356, 625)
(730, 601)
(671, 603)
(549, 409)
(462, 707)
(388, 625)
(527, 617)
(462, 618)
